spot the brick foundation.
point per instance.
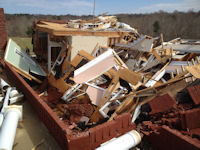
(3, 32)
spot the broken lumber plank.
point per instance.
(129, 76)
(155, 87)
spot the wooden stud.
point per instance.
(95, 116)
(182, 68)
(132, 110)
(26, 75)
(172, 75)
(188, 63)
(193, 61)
(197, 59)
(177, 71)
(156, 55)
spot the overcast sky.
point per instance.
(85, 7)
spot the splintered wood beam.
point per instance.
(125, 105)
(157, 55)
(171, 81)
(66, 60)
(59, 84)
(132, 110)
(197, 59)
(130, 76)
(96, 115)
(172, 75)
(26, 75)
(86, 33)
(75, 32)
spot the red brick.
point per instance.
(3, 32)
(112, 128)
(80, 142)
(170, 139)
(194, 92)
(106, 132)
(161, 104)
(172, 122)
(89, 140)
(190, 119)
(195, 132)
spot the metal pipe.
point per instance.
(8, 128)
(124, 142)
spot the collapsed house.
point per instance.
(102, 79)
(50, 37)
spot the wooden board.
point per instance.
(194, 70)
(130, 76)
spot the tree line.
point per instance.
(172, 25)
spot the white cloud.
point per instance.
(48, 6)
(184, 5)
(55, 4)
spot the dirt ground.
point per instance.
(31, 131)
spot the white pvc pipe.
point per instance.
(16, 99)
(4, 84)
(124, 142)
(8, 128)
(5, 103)
(1, 98)
(13, 93)
(1, 119)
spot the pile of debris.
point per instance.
(120, 72)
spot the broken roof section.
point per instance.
(101, 26)
(78, 35)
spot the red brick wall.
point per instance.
(3, 32)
